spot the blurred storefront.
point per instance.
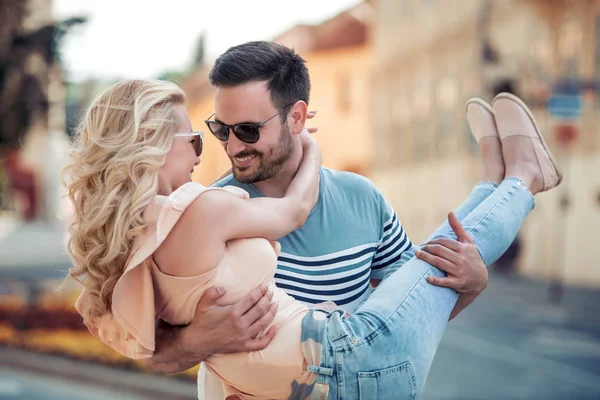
(429, 59)
(339, 56)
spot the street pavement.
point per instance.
(33, 251)
(513, 343)
(29, 386)
(29, 376)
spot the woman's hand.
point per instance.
(311, 115)
(305, 137)
(312, 150)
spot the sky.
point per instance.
(143, 39)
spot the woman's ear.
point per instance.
(297, 116)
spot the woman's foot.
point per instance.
(483, 127)
(526, 155)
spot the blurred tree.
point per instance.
(197, 61)
(30, 79)
(171, 76)
(200, 53)
(26, 61)
(12, 13)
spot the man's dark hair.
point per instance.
(284, 71)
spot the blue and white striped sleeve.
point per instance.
(394, 241)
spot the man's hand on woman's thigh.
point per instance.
(467, 274)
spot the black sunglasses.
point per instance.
(246, 132)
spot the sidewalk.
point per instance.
(513, 343)
(79, 377)
(8, 222)
(32, 251)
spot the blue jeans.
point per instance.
(385, 350)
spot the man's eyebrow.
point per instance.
(238, 123)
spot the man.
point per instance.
(352, 237)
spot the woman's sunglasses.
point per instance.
(246, 132)
(196, 143)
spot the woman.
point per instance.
(138, 216)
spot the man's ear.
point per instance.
(297, 116)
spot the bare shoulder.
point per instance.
(218, 198)
(196, 244)
(211, 202)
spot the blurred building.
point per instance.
(431, 56)
(339, 58)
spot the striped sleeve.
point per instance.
(394, 242)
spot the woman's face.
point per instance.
(181, 159)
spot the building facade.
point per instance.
(429, 59)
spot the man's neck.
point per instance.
(278, 185)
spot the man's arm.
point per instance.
(460, 259)
(216, 328)
(168, 356)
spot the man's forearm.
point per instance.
(464, 299)
(168, 356)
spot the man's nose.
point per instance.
(235, 145)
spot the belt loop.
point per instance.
(336, 329)
(319, 370)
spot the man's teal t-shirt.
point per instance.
(351, 236)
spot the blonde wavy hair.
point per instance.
(120, 146)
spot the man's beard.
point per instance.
(268, 165)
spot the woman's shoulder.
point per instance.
(186, 223)
(211, 200)
(189, 193)
(197, 207)
(183, 196)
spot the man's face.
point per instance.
(251, 103)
